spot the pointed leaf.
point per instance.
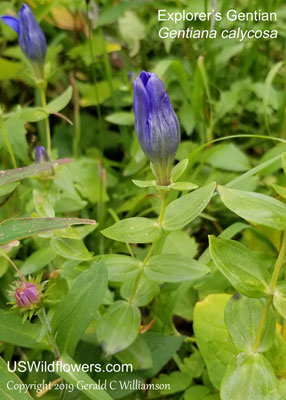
(118, 327)
(134, 230)
(249, 377)
(255, 207)
(183, 210)
(16, 229)
(240, 266)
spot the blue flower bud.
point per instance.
(41, 154)
(31, 37)
(156, 124)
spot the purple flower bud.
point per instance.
(41, 154)
(156, 124)
(31, 37)
(27, 294)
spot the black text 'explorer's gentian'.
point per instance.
(31, 37)
(156, 124)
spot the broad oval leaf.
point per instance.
(134, 230)
(212, 336)
(120, 267)
(255, 207)
(8, 382)
(240, 266)
(16, 229)
(249, 377)
(174, 268)
(71, 249)
(242, 317)
(75, 312)
(183, 210)
(118, 327)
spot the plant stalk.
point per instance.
(7, 141)
(46, 323)
(273, 282)
(150, 252)
(42, 87)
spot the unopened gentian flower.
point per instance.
(41, 154)
(31, 37)
(156, 124)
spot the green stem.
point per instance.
(42, 87)
(262, 324)
(46, 323)
(3, 254)
(278, 264)
(275, 275)
(150, 252)
(77, 123)
(7, 141)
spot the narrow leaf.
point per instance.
(75, 312)
(14, 175)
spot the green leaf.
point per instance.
(60, 102)
(16, 229)
(212, 336)
(120, 267)
(174, 268)
(13, 330)
(9, 69)
(240, 266)
(134, 230)
(32, 114)
(38, 260)
(177, 380)
(121, 118)
(242, 317)
(138, 354)
(183, 186)
(111, 14)
(132, 30)
(179, 242)
(280, 190)
(14, 175)
(118, 327)
(72, 249)
(249, 377)
(255, 207)
(75, 312)
(8, 188)
(7, 381)
(76, 376)
(183, 210)
(197, 392)
(139, 290)
(179, 169)
(228, 157)
(144, 184)
(279, 299)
